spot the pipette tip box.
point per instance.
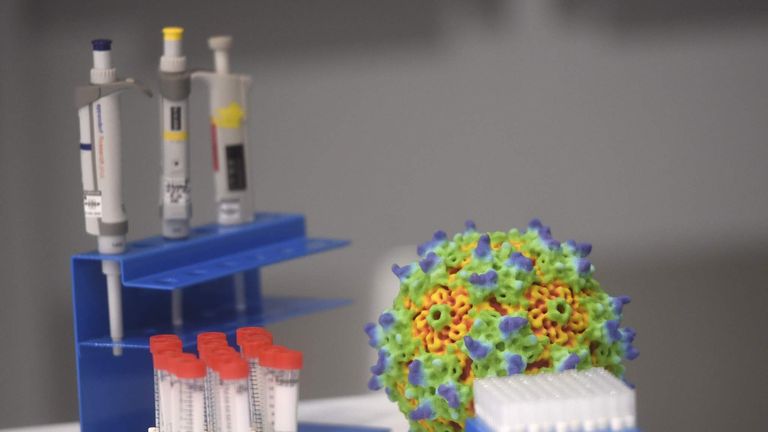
(569, 401)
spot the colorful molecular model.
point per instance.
(491, 304)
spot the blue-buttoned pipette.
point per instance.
(99, 114)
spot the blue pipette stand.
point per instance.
(116, 393)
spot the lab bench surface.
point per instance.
(371, 411)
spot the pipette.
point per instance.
(100, 153)
(175, 204)
(229, 114)
(228, 111)
(175, 209)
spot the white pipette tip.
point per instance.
(241, 301)
(111, 270)
(177, 308)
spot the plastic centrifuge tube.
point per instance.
(205, 351)
(281, 368)
(190, 373)
(164, 387)
(251, 346)
(158, 344)
(175, 398)
(233, 415)
(267, 391)
(210, 354)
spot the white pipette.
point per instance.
(175, 204)
(175, 207)
(229, 113)
(99, 114)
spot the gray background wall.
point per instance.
(638, 125)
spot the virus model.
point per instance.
(491, 304)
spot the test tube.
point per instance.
(243, 332)
(175, 390)
(164, 387)
(250, 348)
(158, 344)
(267, 392)
(232, 388)
(191, 378)
(204, 350)
(210, 355)
(281, 372)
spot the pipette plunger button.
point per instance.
(101, 44)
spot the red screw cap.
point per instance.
(158, 343)
(264, 354)
(248, 331)
(285, 359)
(253, 344)
(211, 335)
(216, 357)
(209, 345)
(232, 368)
(189, 368)
(173, 362)
(164, 358)
(157, 358)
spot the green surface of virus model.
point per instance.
(491, 304)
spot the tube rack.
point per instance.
(115, 393)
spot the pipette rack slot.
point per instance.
(116, 392)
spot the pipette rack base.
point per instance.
(116, 391)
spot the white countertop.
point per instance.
(372, 410)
